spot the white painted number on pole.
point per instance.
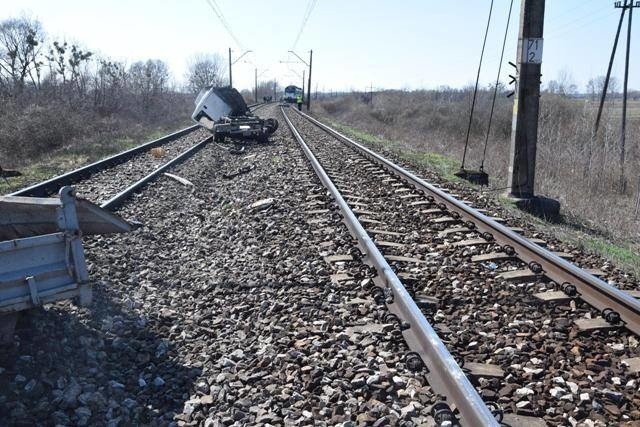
(532, 51)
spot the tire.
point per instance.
(271, 125)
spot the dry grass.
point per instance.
(581, 172)
(40, 155)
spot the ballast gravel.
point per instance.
(551, 369)
(103, 185)
(216, 313)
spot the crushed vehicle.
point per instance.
(224, 113)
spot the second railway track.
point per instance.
(108, 182)
(530, 344)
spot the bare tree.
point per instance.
(566, 84)
(20, 44)
(205, 70)
(109, 86)
(149, 80)
(552, 86)
(596, 85)
(69, 63)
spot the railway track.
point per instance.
(110, 181)
(221, 309)
(215, 310)
(497, 298)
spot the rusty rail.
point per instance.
(119, 198)
(445, 375)
(592, 290)
(51, 186)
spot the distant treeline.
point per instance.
(53, 91)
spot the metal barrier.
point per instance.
(41, 254)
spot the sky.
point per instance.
(386, 44)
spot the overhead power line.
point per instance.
(579, 21)
(307, 14)
(475, 90)
(216, 9)
(561, 31)
(570, 11)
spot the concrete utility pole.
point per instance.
(230, 77)
(309, 83)
(256, 82)
(231, 63)
(524, 132)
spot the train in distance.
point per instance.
(291, 93)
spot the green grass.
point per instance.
(72, 158)
(444, 166)
(440, 164)
(43, 170)
(623, 253)
(358, 134)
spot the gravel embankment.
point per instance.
(105, 184)
(551, 369)
(217, 314)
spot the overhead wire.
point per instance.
(495, 89)
(610, 66)
(475, 91)
(307, 14)
(560, 31)
(571, 24)
(216, 9)
(566, 12)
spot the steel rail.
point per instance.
(445, 375)
(591, 289)
(54, 184)
(119, 198)
(254, 107)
